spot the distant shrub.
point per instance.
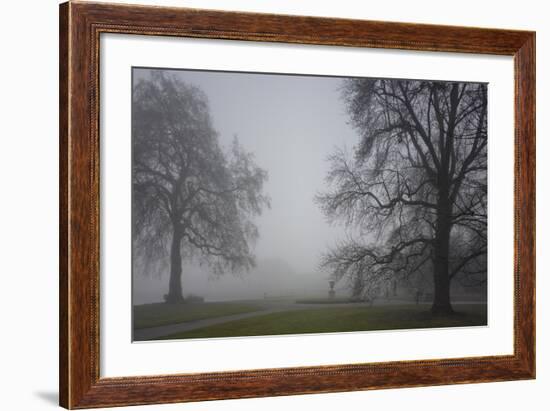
(192, 298)
(330, 300)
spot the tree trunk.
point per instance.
(442, 282)
(174, 291)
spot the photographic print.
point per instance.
(329, 184)
(272, 204)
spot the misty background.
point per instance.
(292, 124)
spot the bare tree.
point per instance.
(414, 190)
(191, 199)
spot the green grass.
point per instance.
(153, 315)
(342, 319)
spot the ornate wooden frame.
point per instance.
(80, 27)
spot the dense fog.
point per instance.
(291, 124)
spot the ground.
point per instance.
(152, 315)
(261, 317)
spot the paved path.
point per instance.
(267, 307)
(154, 333)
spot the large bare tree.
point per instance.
(414, 190)
(191, 198)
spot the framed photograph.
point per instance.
(259, 205)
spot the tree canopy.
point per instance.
(413, 191)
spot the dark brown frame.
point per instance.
(81, 24)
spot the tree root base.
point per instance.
(445, 309)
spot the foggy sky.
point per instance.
(291, 124)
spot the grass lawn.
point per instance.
(341, 319)
(153, 315)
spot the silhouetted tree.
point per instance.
(190, 198)
(414, 190)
